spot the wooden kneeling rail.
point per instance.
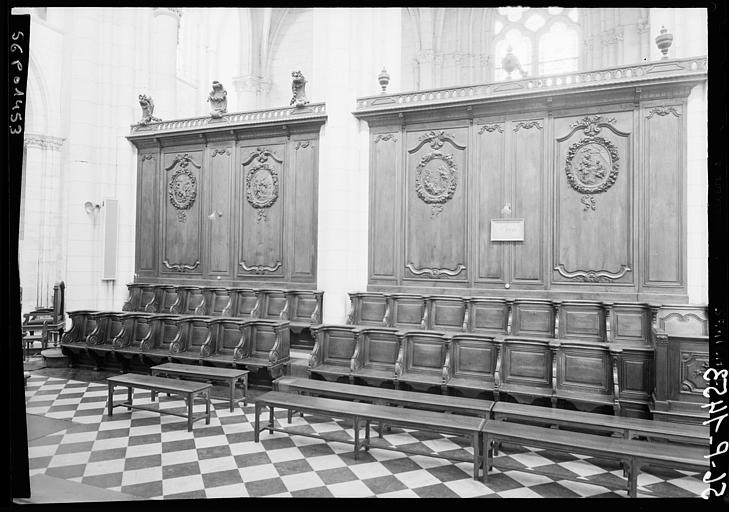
(631, 453)
(186, 389)
(366, 413)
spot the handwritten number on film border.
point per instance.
(719, 377)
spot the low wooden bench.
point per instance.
(384, 396)
(631, 453)
(209, 374)
(361, 412)
(628, 428)
(186, 389)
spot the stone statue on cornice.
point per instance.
(147, 110)
(218, 100)
(298, 88)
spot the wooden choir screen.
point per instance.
(229, 201)
(570, 186)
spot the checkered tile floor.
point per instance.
(154, 456)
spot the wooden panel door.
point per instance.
(436, 184)
(261, 218)
(384, 205)
(491, 197)
(147, 194)
(182, 213)
(594, 191)
(528, 185)
(303, 210)
(219, 211)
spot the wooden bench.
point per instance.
(626, 427)
(207, 374)
(366, 413)
(631, 453)
(384, 396)
(188, 390)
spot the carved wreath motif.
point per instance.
(436, 185)
(182, 191)
(262, 188)
(592, 167)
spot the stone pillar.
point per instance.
(164, 61)
(251, 92)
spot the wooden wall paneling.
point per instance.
(631, 323)
(147, 213)
(635, 375)
(385, 171)
(528, 189)
(181, 191)
(594, 199)
(303, 209)
(436, 203)
(219, 212)
(665, 183)
(533, 317)
(262, 193)
(490, 197)
(582, 320)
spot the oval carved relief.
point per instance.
(262, 188)
(182, 191)
(592, 168)
(435, 180)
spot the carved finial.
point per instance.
(510, 62)
(218, 100)
(298, 89)
(664, 41)
(147, 110)
(384, 79)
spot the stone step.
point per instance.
(54, 358)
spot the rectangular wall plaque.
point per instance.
(507, 230)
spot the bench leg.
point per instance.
(367, 435)
(257, 427)
(633, 470)
(245, 390)
(189, 412)
(476, 444)
(289, 415)
(379, 430)
(111, 399)
(355, 422)
(487, 458)
(270, 419)
(232, 394)
(130, 392)
(207, 407)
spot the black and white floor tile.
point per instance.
(154, 456)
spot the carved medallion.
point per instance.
(435, 180)
(262, 188)
(592, 168)
(182, 191)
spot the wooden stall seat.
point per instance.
(136, 326)
(582, 320)
(243, 303)
(447, 313)
(191, 335)
(533, 318)
(471, 362)
(375, 355)
(367, 309)
(586, 374)
(406, 311)
(51, 320)
(193, 300)
(524, 369)
(305, 309)
(99, 342)
(156, 345)
(488, 315)
(420, 363)
(134, 300)
(274, 304)
(149, 298)
(331, 357)
(216, 300)
(224, 335)
(264, 345)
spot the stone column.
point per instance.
(164, 61)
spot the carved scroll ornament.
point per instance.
(592, 276)
(491, 128)
(662, 111)
(436, 140)
(592, 168)
(591, 124)
(436, 185)
(182, 187)
(436, 272)
(180, 267)
(260, 269)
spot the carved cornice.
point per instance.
(662, 111)
(528, 124)
(260, 269)
(491, 127)
(385, 136)
(436, 272)
(180, 267)
(592, 276)
(664, 71)
(34, 140)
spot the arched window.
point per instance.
(544, 40)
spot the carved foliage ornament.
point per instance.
(592, 168)
(435, 180)
(592, 276)
(182, 187)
